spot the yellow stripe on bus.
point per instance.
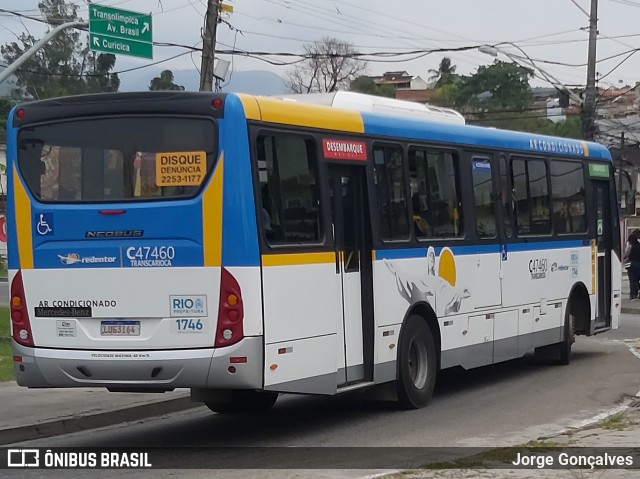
(301, 114)
(586, 148)
(250, 105)
(212, 217)
(23, 222)
(290, 259)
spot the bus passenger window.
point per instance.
(289, 205)
(567, 193)
(483, 195)
(434, 193)
(389, 179)
(531, 197)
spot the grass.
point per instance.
(6, 357)
(502, 455)
(4, 322)
(617, 422)
(6, 362)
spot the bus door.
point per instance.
(354, 267)
(602, 250)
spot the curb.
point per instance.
(58, 427)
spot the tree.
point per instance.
(500, 85)
(165, 82)
(329, 65)
(65, 65)
(365, 84)
(446, 95)
(5, 106)
(445, 74)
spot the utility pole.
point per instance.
(621, 162)
(209, 46)
(589, 105)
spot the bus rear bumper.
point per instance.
(141, 370)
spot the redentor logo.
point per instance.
(23, 458)
(344, 149)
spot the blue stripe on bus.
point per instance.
(421, 252)
(457, 134)
(239, 228)
(542, 245)
(13, 261)
(405, 253)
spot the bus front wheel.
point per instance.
(416, 364)
(243, 401)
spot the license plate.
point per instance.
(120, 328)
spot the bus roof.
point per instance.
(325, 112)
(378, 104)
(338, 111)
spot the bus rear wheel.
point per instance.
(243, 401)
(416, 364)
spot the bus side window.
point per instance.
(391, 194)
(483, 195)
(289, 205)
(531, 195)
(567, 193)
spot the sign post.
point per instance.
(113, 30)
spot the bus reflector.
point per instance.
(21, 327)
(230, 311)
(112, 212)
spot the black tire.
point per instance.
(243, 401)
(417, 366)
(559, 353)
(564, 353)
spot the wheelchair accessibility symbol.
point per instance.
(44, 224)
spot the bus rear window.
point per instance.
(117, 159)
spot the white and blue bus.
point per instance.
(247, 246)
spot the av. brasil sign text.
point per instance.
(113, 30)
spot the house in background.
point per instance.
(401, 81)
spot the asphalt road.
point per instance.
(510, 403)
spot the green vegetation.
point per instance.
(6, 361)
(616, 422)
(165, 82)
(3, 267)
(64, 66)
(4, 322)
(501, 455)
(5, 106)
(6, 358)
(365, 84)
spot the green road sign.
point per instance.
(120, 31)
(103, 43)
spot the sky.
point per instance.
(553, 34)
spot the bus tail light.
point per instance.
(20, 323)
(230, 311)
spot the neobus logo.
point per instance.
(115, 234)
